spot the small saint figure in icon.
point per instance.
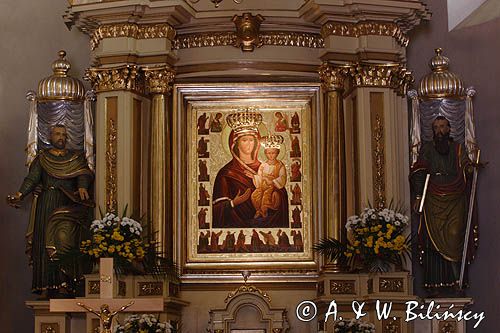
(203, 148)
(203, 241)
(296, 195)
(215, 123)
(281, 125)
(202, 122)
(269, 239)
(297, 222)
(295, 147)
(203, 171)
(295, 171)
(202, 218)
(283, 241)
(255, 241)
(214, 241)
(240, 243)
(229, 243)
(203, 193)
(295, 124)
(298, 244)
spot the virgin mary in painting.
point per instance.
(234, 185)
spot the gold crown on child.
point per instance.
(272, 141)
(244, 121)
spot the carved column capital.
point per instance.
(333, 76)
(393, 75)
(125, 77)
(159, 79)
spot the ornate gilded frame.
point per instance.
(188, 100)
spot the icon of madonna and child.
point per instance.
(248, 192)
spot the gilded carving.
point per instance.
(132, 30)
(247, 31)
(111, 186)
(274, 38)
(159, 79)
(364, 29)
(212, 39)
(301, 39)
(150, 288)
(392, 325)
(447, 327)
(94, 287)
(338, 287)
(49, 328)
(248, 289)
(124, 77)
(391, 285)
(394, 76)
(379, 163)
(333, 77)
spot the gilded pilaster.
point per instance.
(333, 78)
(159, 85)
(118, 91)
(378, 90)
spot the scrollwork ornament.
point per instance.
(159, 79)
(132, 30)
(364, 29)
(248, 289)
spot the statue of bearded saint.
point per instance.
(59, 179)
(444, 216)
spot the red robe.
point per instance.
(230, 180)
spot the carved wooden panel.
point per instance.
(94, 287)
(391, 285)
(392, 325)
(342, 287)
(49, 328)
(449, 326)
(150, 288)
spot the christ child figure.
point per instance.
(270, 178)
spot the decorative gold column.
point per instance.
(379, 90)
(118, 89)
(332, 78)
(159, 85)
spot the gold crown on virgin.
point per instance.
(272, 141)
(244, 121)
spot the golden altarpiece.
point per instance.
(323, 82)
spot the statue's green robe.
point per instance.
(444, 219)
(57, 214)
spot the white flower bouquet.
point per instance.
(376, 241)
(353, 326)
(116, 237)
(145, 323)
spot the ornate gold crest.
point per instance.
(247, 31)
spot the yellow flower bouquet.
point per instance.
(376, 241)
(116, 237)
